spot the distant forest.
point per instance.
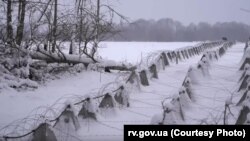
(170, 30)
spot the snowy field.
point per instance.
(133, 52)
(210, 92)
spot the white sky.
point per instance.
(185, 11)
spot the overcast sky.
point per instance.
(185, 11)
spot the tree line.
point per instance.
(170, 30)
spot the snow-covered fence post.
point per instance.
(122, 97)
(203, 56)
(87, 110)
(132, 77)
(67, 120)
(227, 108)
(197, 50)
(190, 52)
(169, 56)
(168, 114)
(183, 56)
(245, 96)
(186, 54)
(171, 114)
(210, 55)
(215, 55)
(243, 115)
(43, 133)
(178, 106)
(144, 78)
(194, 50)
(174, 56)
(244, 82)
(184, 98)
(187, 84)
(201, 67)
(107, 102)
(246, 45)
(165, 59)
(179, 55)
(246, 61)
(246, 68)
(221, 51)
(201, 49)
(153, 70)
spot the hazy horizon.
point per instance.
(185, 11)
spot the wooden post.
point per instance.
(244, 96)
(244, 83)
(131, 78)
(215, 55)
(190, 52)
(169, 56)
(165, 59)
(85, 113)
(183, 56)
(153, 70)
(186, 54)
(176, 59)
(243, 115)
(221, 51)
(68, 118)
(246, 61)
(144, 78)
(107, 102)
(178, 55)
(43, 133)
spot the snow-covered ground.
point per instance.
(133, 52)
(210, 93)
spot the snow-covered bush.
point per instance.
(15, 69)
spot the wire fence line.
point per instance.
(175, 55)
(221, 51)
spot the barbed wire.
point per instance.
(101, 91)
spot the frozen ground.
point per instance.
(210, 92)
(133, 52)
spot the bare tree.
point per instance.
(97, 25)
(9, 22)
(21, 17)
(48, 26)
(54, 27)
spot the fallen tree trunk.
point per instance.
(120, 68)
(76, 59)
(59, 58)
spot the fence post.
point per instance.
(144, 78)
(153, 70)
